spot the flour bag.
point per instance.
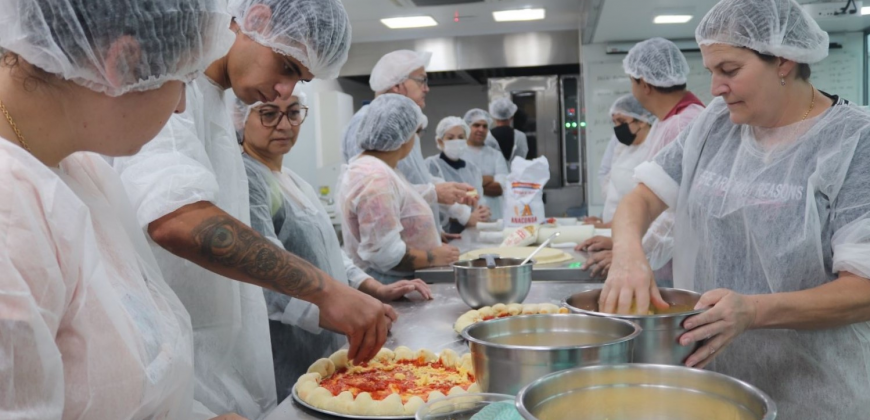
(524, 195)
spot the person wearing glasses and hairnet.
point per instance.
(286, 210)
(403, 72)
(388, 227)
(511, 142)
(451, 136)
(771, 189)
(489, 160)
(190, 193)
(89, 328)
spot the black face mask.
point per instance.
(624, 134)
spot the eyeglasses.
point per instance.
(423, 81)
(271, 117)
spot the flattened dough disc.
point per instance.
(546, 256)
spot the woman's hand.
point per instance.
(599, 262)
(395, 291)
(730, 314)
(630, 280)
(443, 255)
(598, 243)
(480, 214)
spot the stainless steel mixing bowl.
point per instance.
(642, 392)
(659, 341)
(479, 286)
(509, 353)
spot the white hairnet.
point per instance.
(502, 109)
(658, 62)
(779, 28)
(391, 120)
(117, 46)
(424, 120)
(315, 32)
(396, 67)
(241, 111)
(475, 115)
(448, 123)
(629, 106)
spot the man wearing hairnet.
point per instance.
(511, 142)
(189, 191)
(771, 190)
(403, 72)
(489, 160)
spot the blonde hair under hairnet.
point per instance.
(396, 67)
(110, 47)
(658, 62)
(780, 28)
(315, 32)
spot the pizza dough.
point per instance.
(502, 311)
(546, 256)
(308, 387)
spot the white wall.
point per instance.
(446, 101)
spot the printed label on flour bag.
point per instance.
(524, 195)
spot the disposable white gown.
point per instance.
(382, 216)
(286, 210)
(491, 163)
(468, 174)
(606, 163)
(196, 157)
(88, 327)
(780, 216)
(658, 243)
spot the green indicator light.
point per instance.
(583, 124)
(567, 125)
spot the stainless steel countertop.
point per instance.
(429, 325)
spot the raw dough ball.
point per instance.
(339, 359)
(385, 355)
(404, 353)
(515, 309)
(303, 389)
(427, 356)
(499, 309)
(466, 363)
(564, 311)
(390, 406)
(435, 395)
(473, 388)
(324, 367)
(456, 390)
(343, 403)
(548, 308)
(530, 309)
(363, 405)
(449, 358)
(321, 398)
(413, 404)
(463, 322)
(486, 312)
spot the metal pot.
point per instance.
(479, 286)
(509, 353)
(639, 391)
(659, 341)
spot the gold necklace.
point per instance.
(14, 127)
(812, 102)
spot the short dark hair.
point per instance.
(666, 90)
(803, 70)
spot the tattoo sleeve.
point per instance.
(408, 261)
(226, 241)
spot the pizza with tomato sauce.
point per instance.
(394, 383)
(499, 310)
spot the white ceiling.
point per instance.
(631, 20)
(475, 19)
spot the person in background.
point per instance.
(604, 170)
(451, 136)
(490, 161)
(190, 193)
(89, 329)
(403, 72)
(387, 225)
(286, 210)
(512, 143)
(772, 197)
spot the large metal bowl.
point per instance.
(643, 392)
(479, 286)
(659, 341)
(509, 353)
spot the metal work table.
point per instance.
(429, 324)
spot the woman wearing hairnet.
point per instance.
(286, 210)
(89, 329)
(190, 192)
(451, 136)
(770, 188)
(388, 227)
(488, 159)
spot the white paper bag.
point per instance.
(524, 193)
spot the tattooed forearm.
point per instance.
(408, 262)
(430, 257)
(228, 242)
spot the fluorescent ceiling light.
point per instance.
(519, 15)
(409, 22)
(666, 19)
(865, 10)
